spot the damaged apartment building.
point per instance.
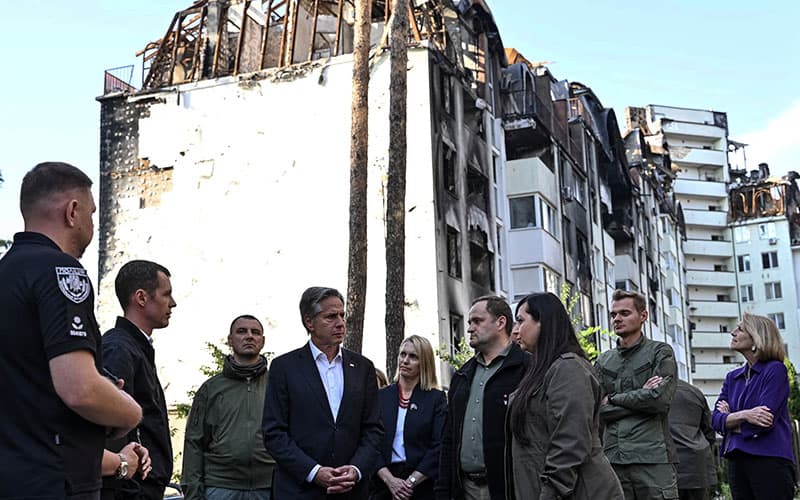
(231, 167)
(765, 220)
(588, 208)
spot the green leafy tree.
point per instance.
(586, 336)
(794, 390)
(461, 354)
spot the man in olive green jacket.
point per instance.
(638, 378)
(223, 453)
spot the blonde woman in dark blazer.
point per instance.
(413, 412)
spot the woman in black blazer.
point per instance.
(413, 411)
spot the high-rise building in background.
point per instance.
(231, 166)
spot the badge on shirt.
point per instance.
(73, 283)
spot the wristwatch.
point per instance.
(122, 470)
(412, 480)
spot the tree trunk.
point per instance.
(396, 186)
(359, 138)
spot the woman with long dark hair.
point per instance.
(553, 419)
(752, 413)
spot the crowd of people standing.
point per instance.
(528, 416)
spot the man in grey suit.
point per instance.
(321, 419)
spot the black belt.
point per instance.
(478, 478)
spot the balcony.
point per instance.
(626, 269)
(682, 114)
(721, 340)
(695, 277)
(708, 247)
(698, 157)
(716, 371)
(705, 218)
(713, 309)
(694, 130)
(528, 115)
(535, 245)
(700, 188)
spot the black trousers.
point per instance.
(693, 494)
(754, 477)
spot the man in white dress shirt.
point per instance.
(321, 419)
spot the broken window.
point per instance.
(477, 189)
(450, 171)
(453, 252)
(481, 260)
(447, 93)
(766, 230)
(523, 212)
(456, 331)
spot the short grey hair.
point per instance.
(310, 301)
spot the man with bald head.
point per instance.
(57, 407)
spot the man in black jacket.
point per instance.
(472, 461)
(145, 293)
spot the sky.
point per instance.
(735, 56)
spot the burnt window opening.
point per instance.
(453, 252)
(481, 260)
(447, 93)
(653, 311)
(584, 266)
(450, 176)
(456, 332)
(477, 189)
(548, 159)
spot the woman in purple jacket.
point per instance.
(752, 413)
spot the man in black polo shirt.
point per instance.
(55, 404)
(145, 294)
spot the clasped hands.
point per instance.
(336, 480)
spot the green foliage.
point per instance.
(461, 354)
(794, 390)
(586, 336)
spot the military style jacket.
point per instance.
(635, 419)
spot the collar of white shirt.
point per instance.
(315, 353)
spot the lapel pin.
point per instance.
(352, 365)
(413, 406)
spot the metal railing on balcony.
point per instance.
(118, 80)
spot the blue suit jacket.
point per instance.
(424, 424)
(299, 430)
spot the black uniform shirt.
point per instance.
(46, 310)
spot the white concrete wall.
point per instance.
(258, 209)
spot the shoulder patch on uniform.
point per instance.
(73, 283)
